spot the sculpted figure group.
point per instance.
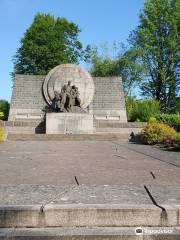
(68, 97)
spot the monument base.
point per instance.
(69, 123)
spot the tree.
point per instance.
(157, 37)
(125, 64)
(4, 108)
(131, 69)
(177, 110)
(47, 43)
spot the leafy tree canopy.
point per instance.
(157, 37)
(125, 63)
(48, 42)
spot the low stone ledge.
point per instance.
(87, 215)
(19, 216)
(99, 123)
(117, 124)
(67, 137)
(109, 215)
(28, 123)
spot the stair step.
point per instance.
(90, 233)
(88, 215)
(70, 137)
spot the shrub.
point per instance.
(172, 142)
(1, 115)
(1, 134)
(176, 143)
(152, 120)
(141, 110)
(4, 107)
(172, 120)
(155, 133)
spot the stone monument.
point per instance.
(68, 100)
(68, 90)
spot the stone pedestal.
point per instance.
(69, 123)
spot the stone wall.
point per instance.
(27, 102)
(100, 126)
(108, 102)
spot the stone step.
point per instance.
(88, 215)
(117, 124)
(103, 233)
(126, 131)
(69, 137)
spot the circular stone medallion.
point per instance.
(60, 75)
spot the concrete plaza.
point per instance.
(87, 171)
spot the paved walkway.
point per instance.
(100, 163)
(87, 172)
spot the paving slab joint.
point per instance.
(164, 213)
(41, 222)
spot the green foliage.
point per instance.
(178, 105)
(176, 143)
(152, 120)
(1, 134)
(131, 69)
(48, 42)
(158, 38)
(4, 108)
(172, 120)
(141, 110)
(155, 133)
(125, 64)
(1, 115)
(104, 67)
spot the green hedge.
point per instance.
(172, 120)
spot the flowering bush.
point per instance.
(155, 133)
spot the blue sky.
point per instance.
(100, 21)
